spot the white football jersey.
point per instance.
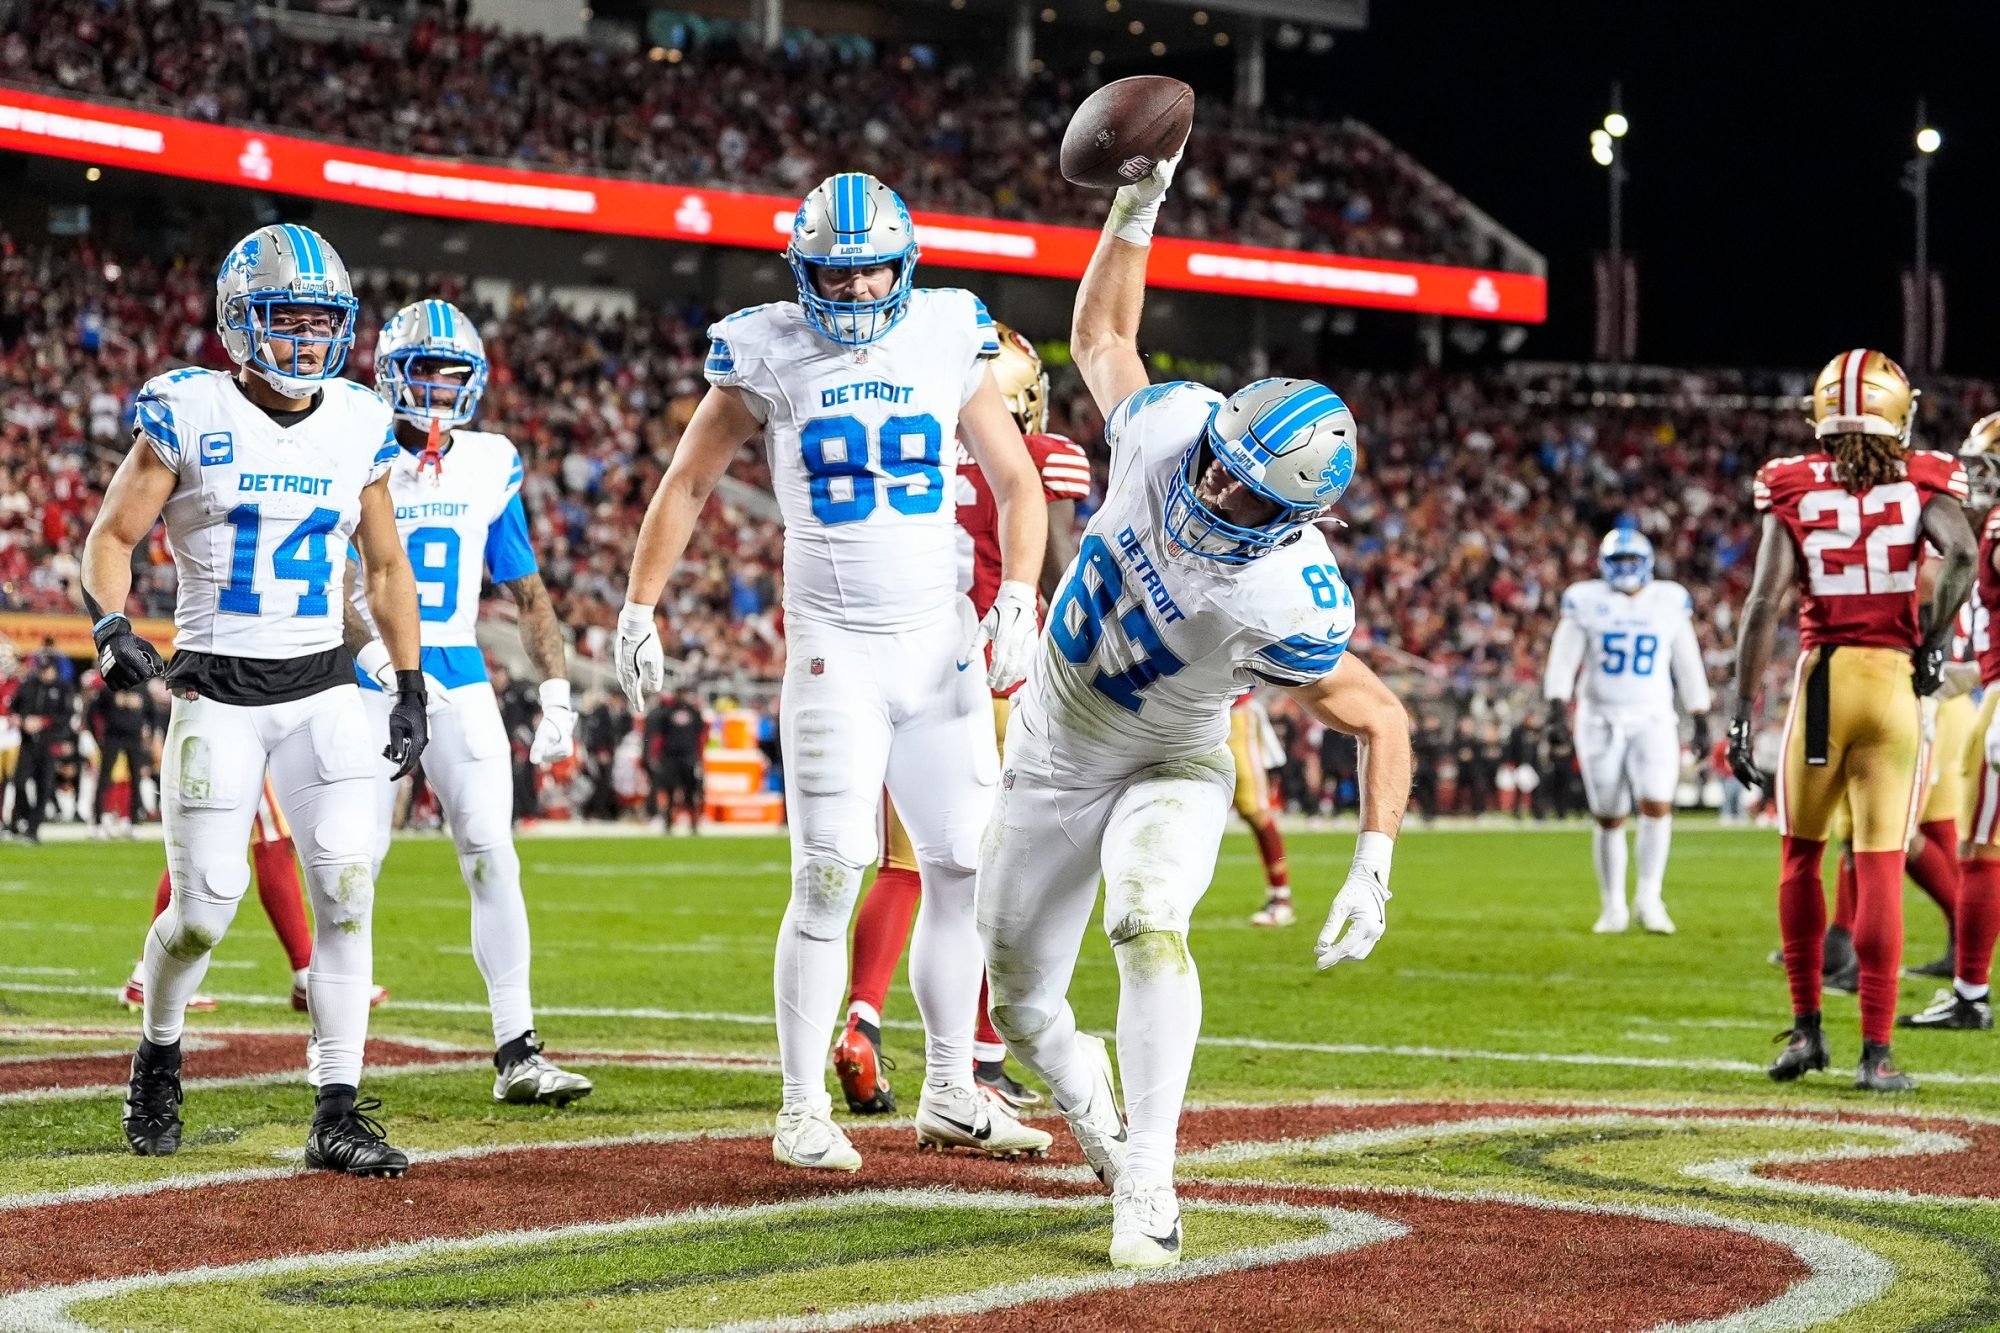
(1147, 646)
(863, 459)
(1634, 649)
(260, 519)
(455, 523)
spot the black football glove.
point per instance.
(125, 660)
(1929, 673)
(409, 725)
(1742, 735)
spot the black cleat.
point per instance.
(1951, 1012)
(1846, 980)
(1943, 968)
(350, 1141)
(1805, 1050)
(1878, 1072)
(992, 1076)
(1837, 954)
(153, 1101)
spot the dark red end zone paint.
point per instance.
(1464, 1265)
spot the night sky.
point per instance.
(1768, 141)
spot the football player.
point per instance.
(1201, 576)
(859, 388)
(262, 477)
(1633, 637)
(1847, 523)
(882, 925)
(458, 513)
(1968, 1004)
(1252, 746)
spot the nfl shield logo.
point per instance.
(818, 666)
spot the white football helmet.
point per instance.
(1292, 442)
(852, 220)
(417, 343)
(1625, 559)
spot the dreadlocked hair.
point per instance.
(1861, 461)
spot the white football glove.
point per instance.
(1136, 207)
(642, 663)
(1361, 908)
(1010, 627)
(554, 732)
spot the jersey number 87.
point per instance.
(1088, 597)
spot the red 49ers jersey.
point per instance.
(1065, 473)
(1983, 607)
(1858, 554)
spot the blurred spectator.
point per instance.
(675, 733)
(44, 706)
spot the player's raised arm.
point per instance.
(139, 490)
(391, 590)
(990, 432)
(1104, 327)
(1351, 698)
(721, 424)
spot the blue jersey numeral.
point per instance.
(434, 560)
(836, 450)
(1643, 653)
(300, 558)
(1327, 589)
(1076, 623)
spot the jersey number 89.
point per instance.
(845, 489)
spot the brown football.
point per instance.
(1125, 127)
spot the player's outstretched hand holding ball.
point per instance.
(1361, 908)
(125, 660)
(555, 732)
(409, 723)
(1010, 627)
(642, 663)
(1128, 136)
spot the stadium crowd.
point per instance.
(951, 135)
(1521, 474)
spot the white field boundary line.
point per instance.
(1845, 1275)
(1573, 1058)
(47, 1308)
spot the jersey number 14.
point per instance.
(300, 558)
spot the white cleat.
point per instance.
(966, 1118)
(1653, 916)
(808, 1137)
(1612, 921)
(1099, 1128)
(1145, 1224)
(536, 1080)
(1275, 912)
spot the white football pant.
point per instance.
(318, 753)
(861, 710)
(1153, 835)
(1626, 758)
(469, 764)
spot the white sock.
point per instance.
(1607, 849)
(1159, 1018)
(1651, 844)
(1967, 991)
(866, 1012)
(810, 978)
(500, 936)
(986, 1052)
(945, 975)
(341, 978)
(169, 982)
(299, 975)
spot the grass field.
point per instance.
(1497, 1121)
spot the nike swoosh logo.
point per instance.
(1122, 1133)
(963, 665)
(983, 1133)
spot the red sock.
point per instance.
(1802, 919)
(1978, 920)
(278, 888)
(1843, 893)
(881, 930)
(1271, 846)
(985, 1032)
(164, 894)
(1935, 868)
(1878, 938)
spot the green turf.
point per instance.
(1488, 984)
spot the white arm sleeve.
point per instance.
(1565, 656)
(1690, 675)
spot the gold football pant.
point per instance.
(1862, 717)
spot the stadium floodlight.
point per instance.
(1616, 125)
(1929, 140)
(1600, 148)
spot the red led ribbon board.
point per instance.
(121, 137)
